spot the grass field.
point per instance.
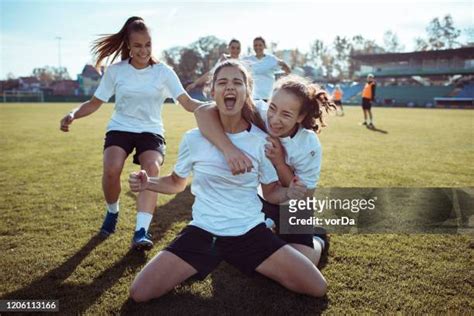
(52, 206)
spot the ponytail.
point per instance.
(118, 43)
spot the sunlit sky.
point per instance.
(29, 29)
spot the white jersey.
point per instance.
(139, 95)
(263, 74)
(303, 151)
(225, 205)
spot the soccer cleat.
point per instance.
(110, 221)
(371, 125)
(363, 123)
(142, 240)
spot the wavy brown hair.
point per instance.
(249, 112)
(118, 43)
(315, 101)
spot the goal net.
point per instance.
(23, 96)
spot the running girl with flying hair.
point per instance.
(140, 84)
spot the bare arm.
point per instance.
(276, 194)
(171, 184)
(199, 82)
(275, 152)
(84, 109)
(284, 66)
(209, 124)
(188, 103)
(285, 174)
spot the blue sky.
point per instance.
(29, 28)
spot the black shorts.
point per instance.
(140, 141)
(204, 251)
(338, 102)
(273, 211)
(366, 104)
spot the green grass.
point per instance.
(52, 206)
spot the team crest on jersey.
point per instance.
(313, 153)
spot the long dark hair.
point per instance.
(249, 112)
(118, 43)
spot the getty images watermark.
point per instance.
(381, 210)
(318, 206)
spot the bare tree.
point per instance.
(391, 42)
(47, 74)
(441, 34)
(316, 51)
(198, 58)
(342, 47)
(360, 45)
(321, 57)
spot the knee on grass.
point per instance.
(138, 294)
(310, 286)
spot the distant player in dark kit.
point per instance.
(368, 96)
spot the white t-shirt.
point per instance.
(303, 151)
(225, 205)
(263, 73)
(139, 95)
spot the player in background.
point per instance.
(368, 96)
(263, 67)
(234, 48)
(337, 98)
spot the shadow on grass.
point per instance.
(375, 129)
(177, 210)
(230, 291)
(75, 299)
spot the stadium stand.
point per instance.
(441, 78)
(467, 91)
(411, 95)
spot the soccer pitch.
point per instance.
(52, 206)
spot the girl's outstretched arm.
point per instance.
(188, 103)
(171, 184)
(84, 109)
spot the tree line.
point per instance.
(334, 59)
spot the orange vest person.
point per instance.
(337, 98)
(368, 96)
(337, 95)
(369, 89)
